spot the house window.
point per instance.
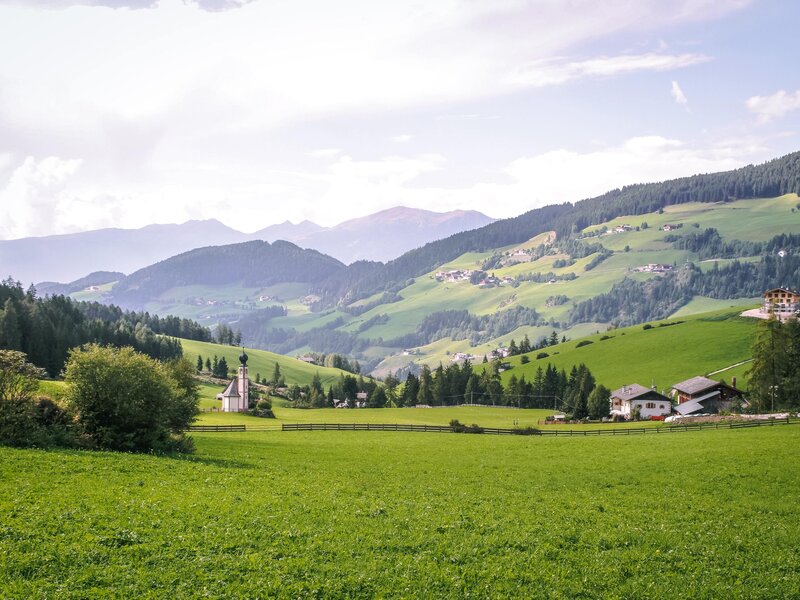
(650, 405)
(661, 406)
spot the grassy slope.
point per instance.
(263, 362)
(665, 355)
(347, 514)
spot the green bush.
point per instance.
(25, 420)
(583, 343)
(127, 401)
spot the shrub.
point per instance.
(263, 409)
(130, 402)
(527, 431)
(542, 355)
(647, 326)
(524, 360)
(583, 343)
(25, 420)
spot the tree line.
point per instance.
(576, 392)
(45, 329)
(630, 302)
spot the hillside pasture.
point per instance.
(659, 355)
(261, 361)
(375, 514)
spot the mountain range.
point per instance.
(379, 237)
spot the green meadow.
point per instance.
(708, 514)
(261, 362)
(662, 356)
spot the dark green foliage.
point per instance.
(227, 336)
(127, 401)
(709, 244)
(583, 343)
(630, 302)
(263, 409)
(540, 355)
(220, 368)
(774, 374)
(600, 257)
(524, 360)
(599, 403)
(458, 427)
(45, 329)
(27, 420)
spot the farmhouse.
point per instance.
(703, 395)
(236, 396)
(781, 301)
(361, 399)
(650, 403)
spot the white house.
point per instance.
(650, 403)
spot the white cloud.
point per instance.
(325, 153)
(678, 95)
(403, 138)
(775, 106)
(557, 71)
(35, 197)
(181, 113)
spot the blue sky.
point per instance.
(123, 113)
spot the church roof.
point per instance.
(232, 391)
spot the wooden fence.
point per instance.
(531, 431)
(218, 428)
(665, 429)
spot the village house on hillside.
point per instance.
(781, 302)
(650, 403)
(702, 395)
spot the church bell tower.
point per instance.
(243, 386)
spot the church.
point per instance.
(236, 397)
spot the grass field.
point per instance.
(262, 362)
(661, 355)
(348, 514)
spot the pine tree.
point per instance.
(10, 330)
(208, 364)
(276, 376)
(199, 363)
(553, 338)
(599, 406)
(425, 393)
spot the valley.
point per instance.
(378, 329)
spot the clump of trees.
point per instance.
(550, 388)
(26, 418)
(774, 374)
(45, 329)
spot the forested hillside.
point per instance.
(251, 264)
(773, 178)
(47, 328)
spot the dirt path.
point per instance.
(744, 362)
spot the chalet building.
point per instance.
(781, 302)
(361, 399)
(650, 403)
(700, 395)
(236, 397)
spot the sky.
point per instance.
(122, 113)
